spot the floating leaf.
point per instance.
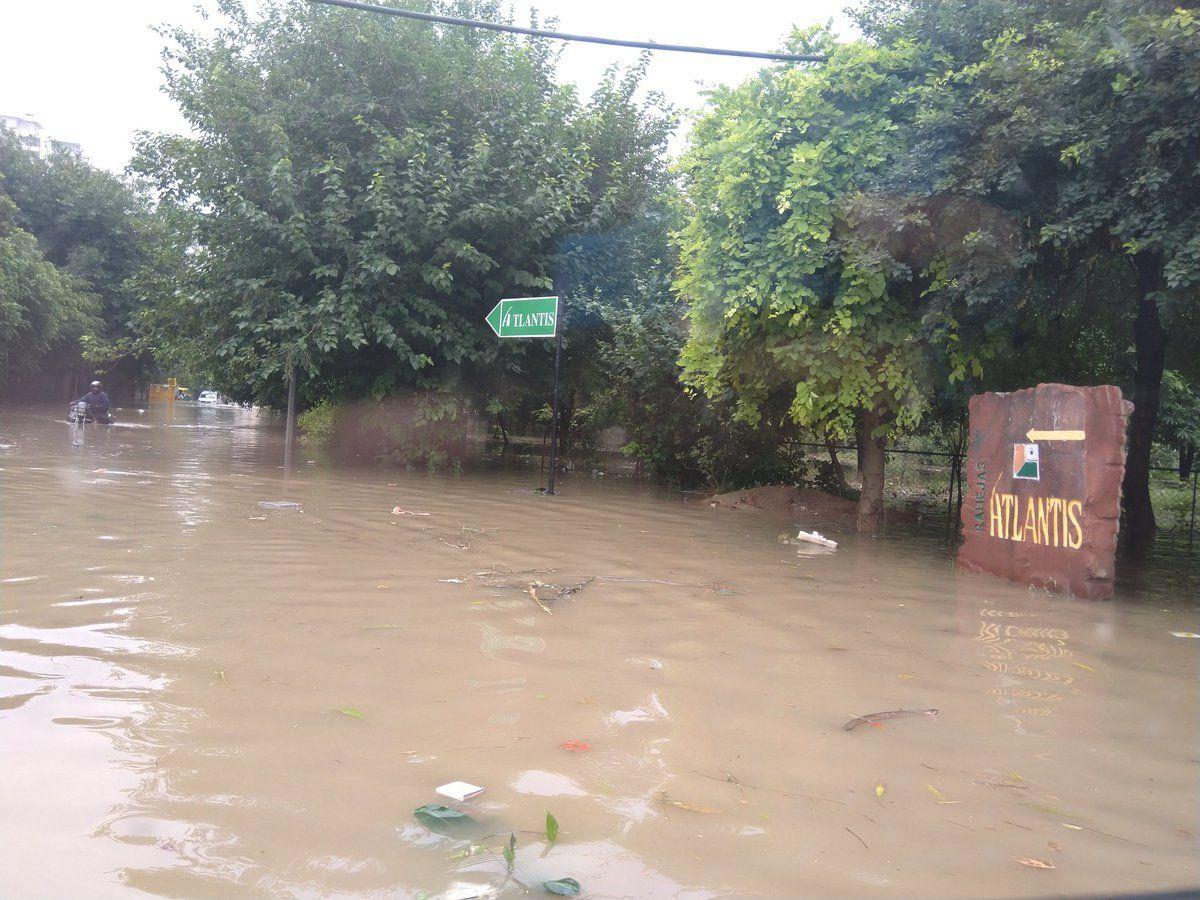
(1034, 863)
(551, 827)
(904, 676)
(1185, 634)
(351, 712)
(1055, 846)
(510, 852)
(1082, 666)
(879, 789)
(1072, 827)
(576, 746)
(564, 887)
(431, 815)
(940, 796)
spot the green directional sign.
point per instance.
(525, 317)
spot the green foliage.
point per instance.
(41, 306)
(95, 229)
(364, 190)
(319, 424)
(632, 379)
(800, 296)
(551, 827)
(563, 887)
(441, 818)
(1180, 410)
(1068, 132)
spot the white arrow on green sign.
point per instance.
(525, 317)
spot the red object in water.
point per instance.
(576, 746)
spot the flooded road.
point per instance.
(201, 696)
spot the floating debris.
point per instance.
(815, 537)
(459, 790)
(1034, 863)
(875, 718)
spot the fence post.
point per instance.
(950, 497)
(958, 467)
(1192, 523)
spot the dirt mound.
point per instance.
(786, 501)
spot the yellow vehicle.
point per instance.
(163, 393)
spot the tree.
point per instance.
(41, 307)
(1076, 122)
(90, 225)
(807, 296)
(364, 190)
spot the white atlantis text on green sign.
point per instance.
(525, 317)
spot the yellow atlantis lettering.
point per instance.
(1042, 521)
(1053, 508)
(1014, 528)
(995, 517)
(1030, 526)
(1074, 508)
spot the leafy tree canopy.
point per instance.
(365, 189)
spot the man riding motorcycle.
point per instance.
(96, 403)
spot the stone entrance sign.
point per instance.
(1042, 486)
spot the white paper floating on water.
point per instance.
(1185, 634)
(280, 504)
(459, 790)
(814, 537)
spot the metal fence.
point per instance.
(931, 480)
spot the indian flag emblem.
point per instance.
(1025, 461)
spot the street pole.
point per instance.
(289, 432)
(554, 405)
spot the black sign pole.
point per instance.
(554, 406)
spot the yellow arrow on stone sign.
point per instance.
(1069, 435)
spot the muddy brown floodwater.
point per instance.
(204, 697)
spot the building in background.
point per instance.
(31, 133)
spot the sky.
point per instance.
(89, 70)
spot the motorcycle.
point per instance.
(80, 412)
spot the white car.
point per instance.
(210, 398)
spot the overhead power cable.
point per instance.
(563, 36)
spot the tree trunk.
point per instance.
(870, 501)
(859, 442)
(1150, 342)
(1187, 459)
